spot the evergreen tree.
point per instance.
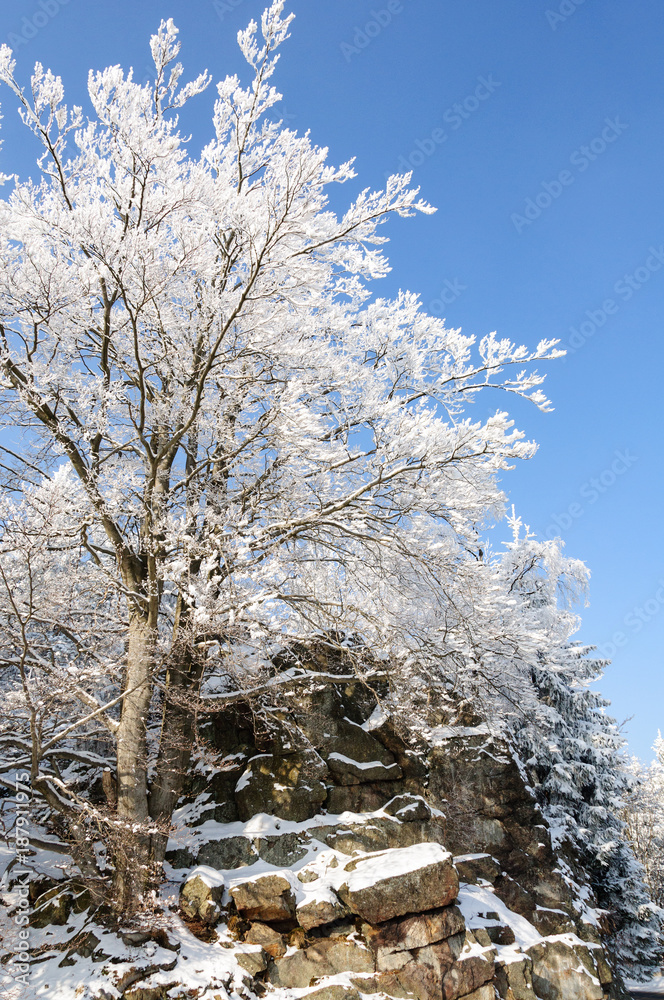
(644, 818)
(574, 752)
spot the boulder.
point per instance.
(408, 808)
(367, 797)
(383, 983)
(267, 899)
(321, 910)
(352, 754)
(229, 853)
(552, 892)
(180, 858)
(253, 962)
(201, 896)
(333, 992)
(290, 786)
(418, 931)
(477, 867)
(466, 976)
(282, 851)
(423, 975)
(272, 942)
(481, 936)
(85, 945)
(411, 758)
(392, 883)
(353, 838)
(145, 992)
(381, 833)
(52, 907)
(548, 921)
(515, 896)
(500, 934)
(514, 980)
(327, 957)
(485, 992)
(563, 972)
(603, 969)
(392, 961)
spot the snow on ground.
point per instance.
(195, 965)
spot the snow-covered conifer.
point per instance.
(574, 752)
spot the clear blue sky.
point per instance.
(536, 129)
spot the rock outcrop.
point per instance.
(366, 859)
(334, 853)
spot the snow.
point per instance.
(376, 719)
(355, 763)
(190, 814)
(263, 825)
(197, 965)
(244, 780)
(210, 876)
(392, 863)
(655, 985)
(476, 901)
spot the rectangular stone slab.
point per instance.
(403, 880)
(417, 931)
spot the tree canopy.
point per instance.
(219, 443)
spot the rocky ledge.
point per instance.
(334, 852)
(362, 859)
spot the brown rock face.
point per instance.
(333, 992)
(404, 880)
(266, 899)
(408, 808)
(200, 900)
(326, 957)
(231, 852)
(514, 980)
(466, 976)
(485, 992)
(289, 786)
(408, 933)
(422, 976)
(479, 786)
(252, 962)
(560, 973)
(346, 771)
(272, 942)
(318, 912)
(386, 865)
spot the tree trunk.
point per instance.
(132, 850)
(177, 736)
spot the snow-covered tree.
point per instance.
(225, 442)
(644, 819)
(574, 752)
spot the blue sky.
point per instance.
(536, 129)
